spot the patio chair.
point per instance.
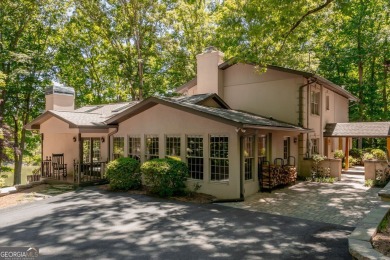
(59, 166)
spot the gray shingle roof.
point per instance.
(88, 116)
(242, 117)
(358, 129)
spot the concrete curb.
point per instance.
(385, 193)
(359, 241)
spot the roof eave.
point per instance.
(278, 128)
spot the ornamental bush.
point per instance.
(124, 174)
(165, 177)
(338, 154)
(379, 154)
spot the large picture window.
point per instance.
(219, 162)
(151, 147)
(135, 147)
(172, 144)
(195, 157)
(118, 147)
(249, 160)
(315, 103)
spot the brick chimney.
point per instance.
(60, 98)
(209, 76)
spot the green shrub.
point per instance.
(356, 153)
(165, 177)
(368, 156)
(379, 154)
(338, 154)
(352, 161)
(369, 183)
(123, 174)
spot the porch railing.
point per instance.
(89, 172)
(46, 168)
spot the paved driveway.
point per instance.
(345, 202)
(91, 224)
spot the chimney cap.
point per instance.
(210, 49)
(60, 90)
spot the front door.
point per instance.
(91, 150)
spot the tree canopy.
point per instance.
(116, 50)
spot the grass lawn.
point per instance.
(26, 170)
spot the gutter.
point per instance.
(302, 130)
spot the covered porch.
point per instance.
(347, 131)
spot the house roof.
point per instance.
(321, 80)
(358, 129)
(229, 116)
(200, 98)
(88, 116)
(105, 116)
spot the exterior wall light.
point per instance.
(102, 139)
(295, 140)
(74, 138)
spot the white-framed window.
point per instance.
(134, 144)
(249, 159)
(172, 145)
(286, 147)
(314, 145)
(315, 102)
(262, 143)
(151, 147)
(219, 154)
(118, 147)
(195, 160)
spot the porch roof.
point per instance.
(84, 117)
(358, 129)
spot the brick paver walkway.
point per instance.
(344, 202)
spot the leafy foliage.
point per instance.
(165, 177)
(124, 174)
(379, 154)
(338, 154)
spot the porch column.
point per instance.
(388, 147)
(340, 143)
(346, 153)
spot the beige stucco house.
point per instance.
(227, 120)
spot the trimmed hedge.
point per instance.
(124, 174)
(165, 177)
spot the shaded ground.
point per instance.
(92, 223)
(39, 192)
(345, 202)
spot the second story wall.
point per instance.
(272, 93)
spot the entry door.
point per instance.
(91, 150)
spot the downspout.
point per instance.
(241, 168)
(300, 116)
(322, 145)
(109, 141)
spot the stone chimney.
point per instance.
(60, 98)
(209, 76)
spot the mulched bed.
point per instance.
(381, 241)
